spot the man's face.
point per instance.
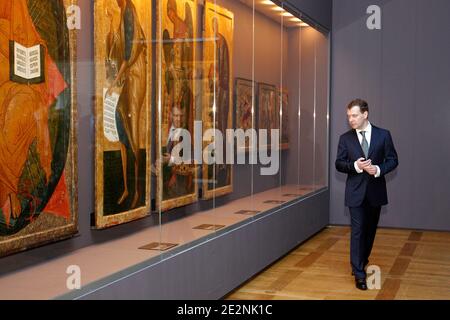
(177, 118)
(356, 119)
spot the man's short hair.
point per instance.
(176, 107)
(362, 104)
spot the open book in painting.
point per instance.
(27, 64)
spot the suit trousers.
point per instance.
(364, 222)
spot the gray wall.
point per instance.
(403, 71)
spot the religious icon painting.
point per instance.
(176, 60)
(244, 92)
(123, 55)
(38, 177)
(268, 111)
(283, 103)
(217, 112)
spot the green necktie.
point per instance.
(364, 144)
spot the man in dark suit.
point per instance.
(366, 154)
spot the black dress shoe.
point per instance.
(361, 284)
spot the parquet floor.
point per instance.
(413, 265)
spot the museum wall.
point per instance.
(403, 71)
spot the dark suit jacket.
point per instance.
(360, 185)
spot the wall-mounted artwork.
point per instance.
(244, 98)
(268, 111)
(244, 91)
(38, 184)
(176, 183)
(123, 55)
(217, 110)
(283, 95)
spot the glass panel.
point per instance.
(248, 65)
(314, 110)
(177, 175)
(322, 115)
(289, 96)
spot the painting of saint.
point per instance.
(37, 126)
(123, 59)
(218, 92)
(268, 111)
(244, 105)
(177, 184)
(283, 102)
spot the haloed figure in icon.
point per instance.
(24, 114)
(127, 52)
(219, 78)
(219, 86)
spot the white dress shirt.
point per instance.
(368, 135)
(174, 136)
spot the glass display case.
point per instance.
(250, 80)
(206, 116)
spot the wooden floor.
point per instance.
(413, 264)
